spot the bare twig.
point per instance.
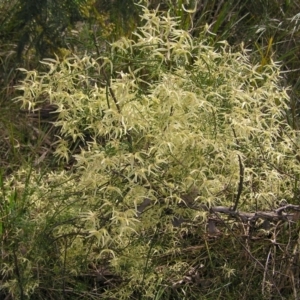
(240, 187)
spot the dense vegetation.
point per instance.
(153, 156)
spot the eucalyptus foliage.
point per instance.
(156, 128)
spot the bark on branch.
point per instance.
(275, 215)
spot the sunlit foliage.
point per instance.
(154, 129)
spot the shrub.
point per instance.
(161, 128)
